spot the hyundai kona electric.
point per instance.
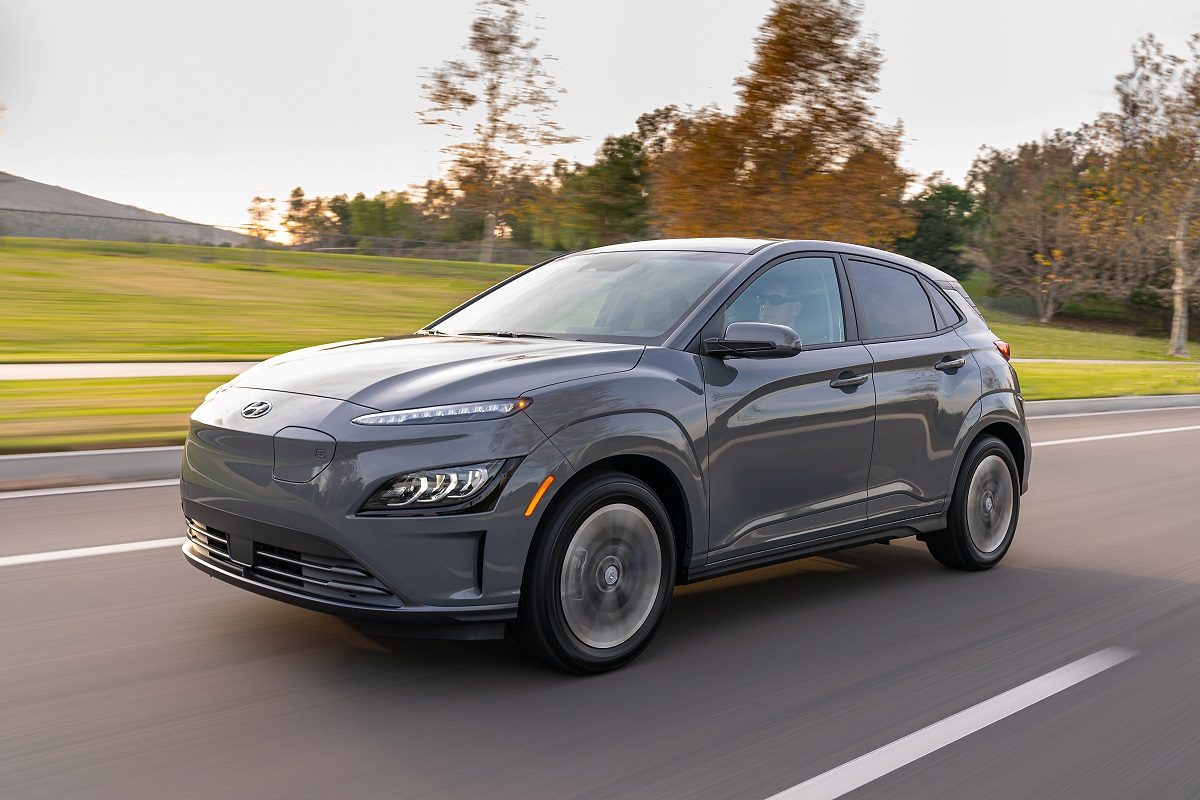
(553, 457)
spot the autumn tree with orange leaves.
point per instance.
(801, 155)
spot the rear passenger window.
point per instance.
(948, 315)
(893, 301)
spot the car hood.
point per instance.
(416, 371)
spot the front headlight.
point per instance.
(436, 488)
(460, 412)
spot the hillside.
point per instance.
(29, 208)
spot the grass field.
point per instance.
(1056, 381)
(1034, 340)
(68, 300)
(97, 301)
(1066, 338)
(82, 414)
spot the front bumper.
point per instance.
(243, 578)
(302, 541)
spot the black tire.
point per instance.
(976, 537)
(599, 510)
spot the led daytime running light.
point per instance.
(462, 412)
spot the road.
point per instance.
(133, 675)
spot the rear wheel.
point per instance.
(600, 576)
(983, 511)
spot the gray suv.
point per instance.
(553, 456)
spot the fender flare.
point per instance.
(998, 406)
(644, 434)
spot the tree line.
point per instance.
(1111, 209)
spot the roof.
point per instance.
(749, 246)
(713, 245)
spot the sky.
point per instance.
(191, 109)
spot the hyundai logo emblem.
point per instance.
(258, 408)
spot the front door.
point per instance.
(789, 438)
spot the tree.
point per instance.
(309, 222)
(946, 221)
(261, 209)
(505, 87)
(1029, 201)
(377, 222)
(1156, 138)
(801, 155)
(603, 203)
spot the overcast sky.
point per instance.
(192, 108)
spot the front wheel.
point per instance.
(599, 577)
(983, 511)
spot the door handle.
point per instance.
(847, 379)
(950, 363)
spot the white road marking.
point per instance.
(1125, 435)
(864, 769)
(85, 552)
(97, 487)
(1052, 417)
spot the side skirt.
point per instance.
(880, 534)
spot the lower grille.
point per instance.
(214, 543)
(316, 575)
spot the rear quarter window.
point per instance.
(893, 301)
(947, 314)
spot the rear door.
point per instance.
(926, 382)
(789, 438)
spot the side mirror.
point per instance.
(754, 340)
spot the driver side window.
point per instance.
(801, 293)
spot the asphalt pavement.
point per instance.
(133, 675)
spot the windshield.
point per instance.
(625, 296)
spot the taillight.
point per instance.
(1003, 348)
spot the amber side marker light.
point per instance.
(1003, 348)
(537, 496)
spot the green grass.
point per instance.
(67, 300)
(71, 300)
(1033, 340)
(1055, 381)
(1064, 338)
(101, 412)
(111, 301)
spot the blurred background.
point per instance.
(318, 175)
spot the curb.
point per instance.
(137, 464)
(1091, 405)
(88, 467)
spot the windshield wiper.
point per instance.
(506, 334)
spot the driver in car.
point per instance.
(780, 309)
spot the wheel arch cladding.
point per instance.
(995, 414)
(661, 481)
(1007, 433)
(654, 449)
